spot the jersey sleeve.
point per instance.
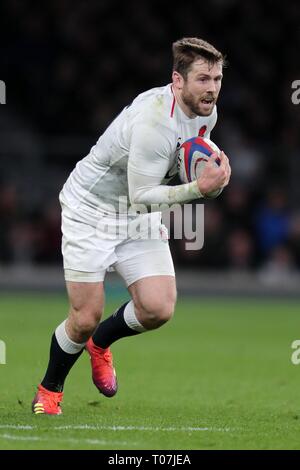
(150, 151)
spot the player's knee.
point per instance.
(164, 313)
(155, 313)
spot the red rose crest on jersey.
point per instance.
(202, 131)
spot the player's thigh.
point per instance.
(148, 271)
(86, 297)
(87, 253)
(140, 259)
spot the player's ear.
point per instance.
(177, 80)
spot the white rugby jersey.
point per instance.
(135, 157)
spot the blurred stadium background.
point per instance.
(69, 68)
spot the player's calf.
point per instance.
(87, 301)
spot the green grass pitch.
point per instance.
(218, 376)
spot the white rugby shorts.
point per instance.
(89, 252)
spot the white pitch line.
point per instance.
(16, 426)
(119, 428)
(13, 437)
(21, 438)
(142, 428)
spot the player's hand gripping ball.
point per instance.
(192, 157)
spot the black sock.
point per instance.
(112, 329)
(59, 366)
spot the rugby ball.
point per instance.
(192, 157)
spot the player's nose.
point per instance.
(211, 87)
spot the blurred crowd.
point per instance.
(71, 67)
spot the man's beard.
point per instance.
(193, 104)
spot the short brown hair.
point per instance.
(186, 50)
